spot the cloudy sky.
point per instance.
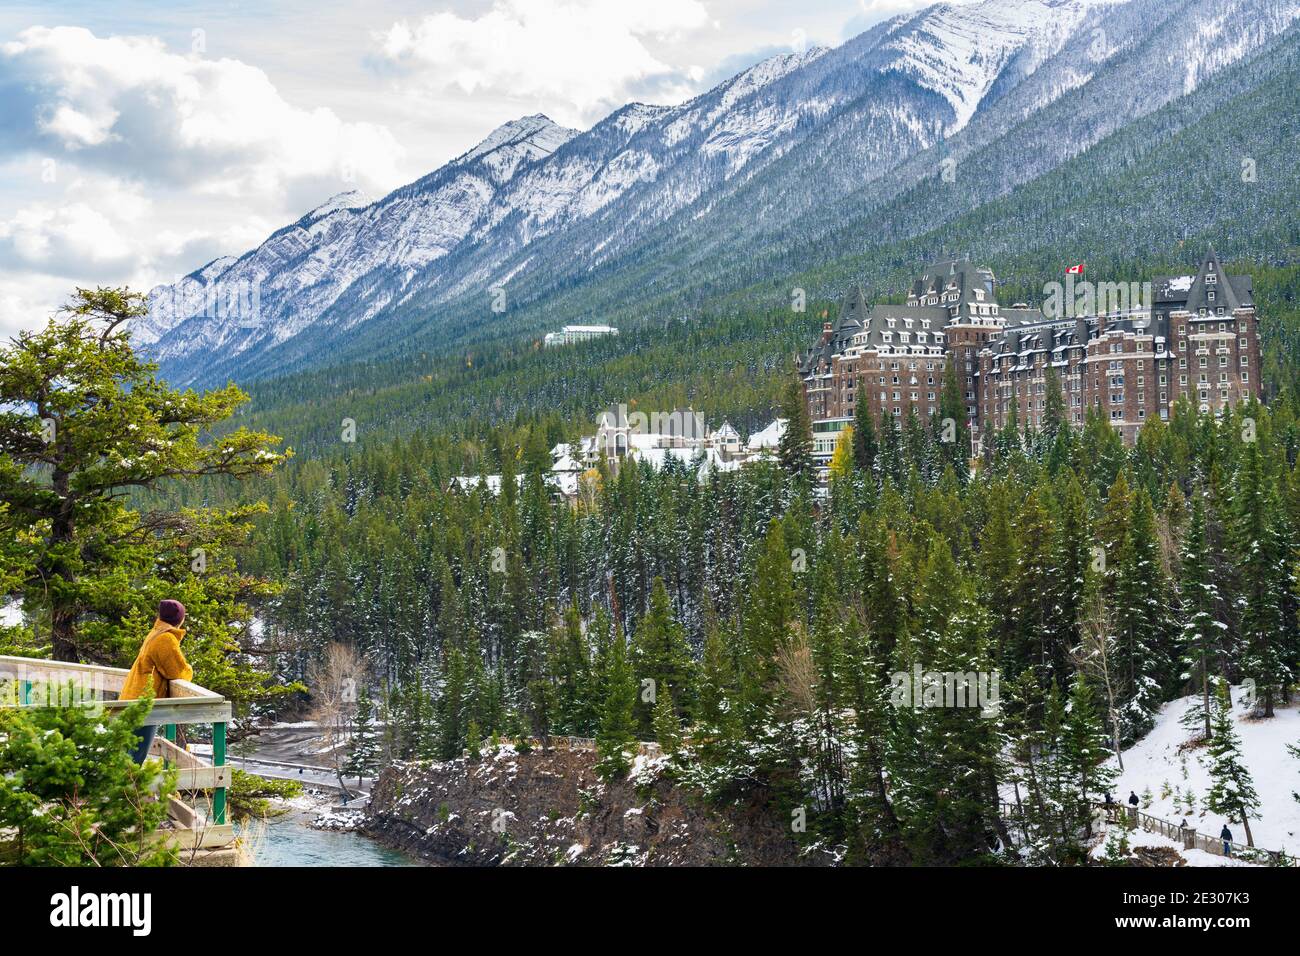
(140, 140)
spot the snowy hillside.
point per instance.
(1159, 764)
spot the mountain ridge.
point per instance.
(790, 137)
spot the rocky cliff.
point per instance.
(550, 808)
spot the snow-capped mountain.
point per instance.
(537, 208)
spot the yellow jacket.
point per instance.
(159, 654)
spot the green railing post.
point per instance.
(219, 760)
(26, 692)
(169, 731)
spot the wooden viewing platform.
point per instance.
(198, 815)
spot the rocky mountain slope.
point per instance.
(802, 156)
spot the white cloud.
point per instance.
(579, 58)
(126, 106)
(122, 163)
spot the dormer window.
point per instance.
(1210, 295)
(925, 323)
(891, 322)
(1211, 278)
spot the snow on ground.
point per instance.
(1141, 838)
(1156, 763)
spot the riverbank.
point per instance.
(309, 832)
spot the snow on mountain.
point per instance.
(959, 52)
(272, 293)
(1162, 763)
(539, 206)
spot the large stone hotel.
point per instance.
(1192, 335)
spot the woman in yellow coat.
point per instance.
(159, 662)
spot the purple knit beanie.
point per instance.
(171, 612)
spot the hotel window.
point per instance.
(1243, 344)
(1245, 376)
(1245, 360)
(1182, 363)
(1211, 279)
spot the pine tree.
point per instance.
(660, 652)
(473, 741)
(84, 420)
(1084, 748)
(667, 725)
(717, 730)
(616, 738)
(865, 444)
(363, 753)
(767, 621)
(1202, 631)
(70, 793)
(795, 448)
(1232, 791)
(1142, 618)
(1264, 578)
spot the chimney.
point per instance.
(826, 333)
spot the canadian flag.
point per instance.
(1075, 270)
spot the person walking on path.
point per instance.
(159, 662)
(1226, 836)
(1133, 798)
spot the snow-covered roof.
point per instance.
(769, 437)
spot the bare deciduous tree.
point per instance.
(334, 681)
(1092, 657)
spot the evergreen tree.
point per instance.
(667, 725)
(796, 446)
(660, 652)
(767, 622)
(865, 444)
(85, 420)
(1084, 747)
(363, 751)
(70, 793)
(1232, 791)
(1202, 631)
(1264, 578)
(616, 738)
